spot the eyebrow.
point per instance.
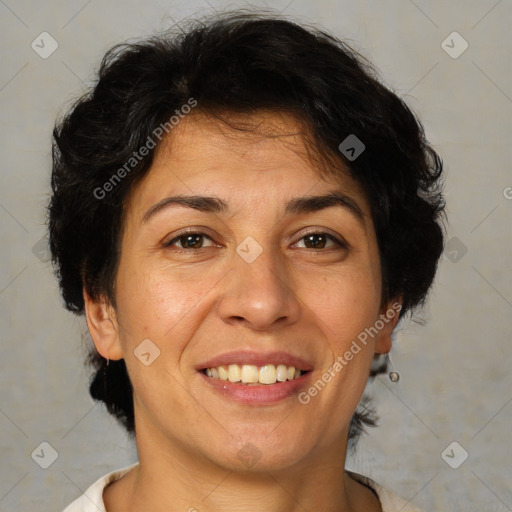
(297, 205)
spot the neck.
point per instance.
(173, 478)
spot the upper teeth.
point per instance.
(248, 373)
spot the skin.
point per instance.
(312, 302)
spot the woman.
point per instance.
(243, 213)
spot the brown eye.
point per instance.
(189, 241)
(315, 241)
(319, 241)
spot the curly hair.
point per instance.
(238, 62)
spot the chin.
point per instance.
(262, 453)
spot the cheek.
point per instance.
(157, 305)
(346, 302)
(164, 305)
(346, 305)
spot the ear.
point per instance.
(389, 316)
(103, 327)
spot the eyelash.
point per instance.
(340, 243)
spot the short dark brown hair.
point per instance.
(237, 62)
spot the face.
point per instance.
(254, 280)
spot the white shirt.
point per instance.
(92, 499)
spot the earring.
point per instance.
(393, 375)
(105, 377)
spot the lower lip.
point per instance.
(264, 394)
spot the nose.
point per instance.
(259, 295)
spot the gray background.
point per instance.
(455, 380)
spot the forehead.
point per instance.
(264, 136)
(266, 150)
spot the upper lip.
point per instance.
(242, 357)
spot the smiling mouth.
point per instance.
(252, 375)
